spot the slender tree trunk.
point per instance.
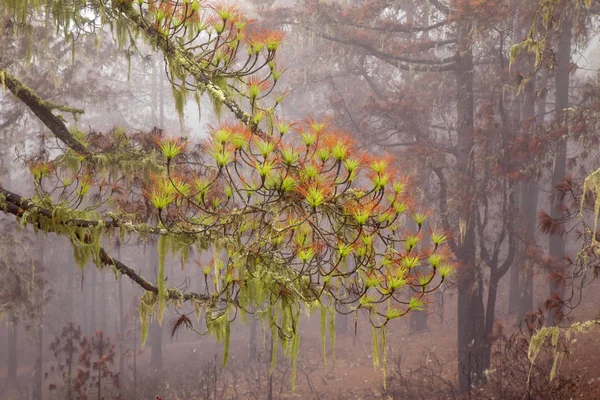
(521, 294)
(12, 348)
(530, 214)
(557, 241)
(11, 342)
(514, 297)
(84, 306)
(270, 378)
(70, 291)
(161, 93)
(103, 300)
(253, 337)
(156, 358)
(134, 359)
(37, 390)
(93, 327)
(490, 313)
(121, 323)
(154, 105)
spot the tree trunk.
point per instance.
(156, 359)
(514, 297)
(12, 348)
(557, 241)
(418, 321)
(94, 272)
(521, 293)
(490, 313)
(253, 337)
(103, 300)
(471, 315)
(84, 306)
(530, 214)
(121, 322)
(70, 287)
(37, 389)
(134, 359)
(155, 329)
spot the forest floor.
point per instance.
(353, 376)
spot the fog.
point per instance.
(299, 199)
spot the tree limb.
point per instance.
(178, 54)
(397, 28)
(403, 63)
(43, 110)
(12, 203)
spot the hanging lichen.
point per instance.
(592, 185)
(332, 332)
(554, 333)
(146, 311)
(160, 276)
(323, 327)
(375, 346)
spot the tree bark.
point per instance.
(471, 314)
(12, 348)
(521, 295)
(557, 241)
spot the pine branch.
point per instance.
(177, 53)
(403, 63)
(17, 205)
(12, 203)
(43, 110)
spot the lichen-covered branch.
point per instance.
(179, 55)
(43, 110)
(17, 205)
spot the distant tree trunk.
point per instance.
(253, 337)
(121, 322)
(70, 278)
(94, 272)
(514, 296)
(103, 300)
(270, 378)
(418, 321)
(521, 293)
(530, 215)
(557, 241)
(155, 333)
(161, 93)
(37, 387)
(154, 105)
(11, 342)
(84, 305)
(12, 347)
(134, 359)
(156, 342)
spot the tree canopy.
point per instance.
(296, 216)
